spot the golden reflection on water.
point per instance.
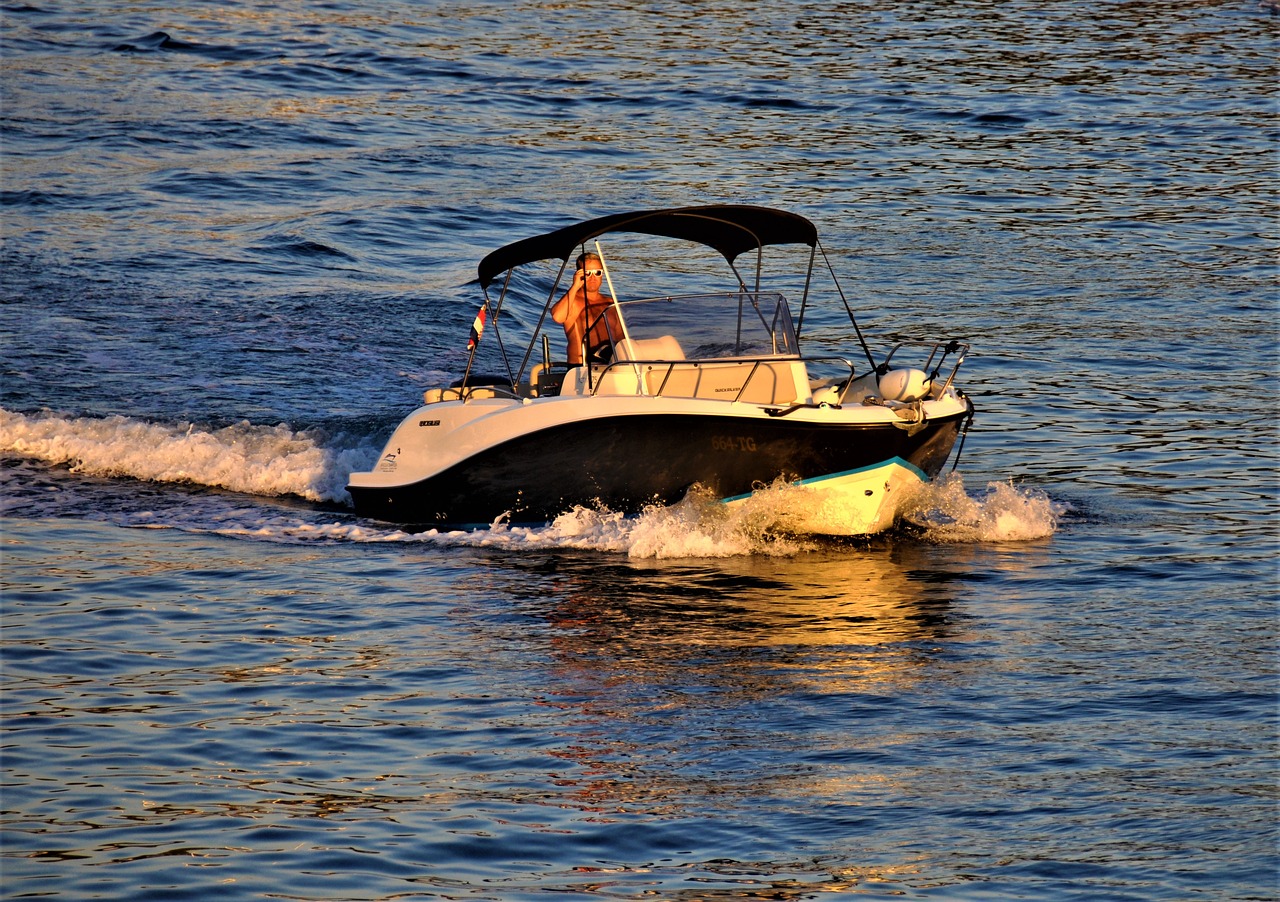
(833, 597)
(790, 673)
(827, 641)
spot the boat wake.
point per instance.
(277, 461)
(771, 522)
(255, 460)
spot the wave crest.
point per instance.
(770, 522)
(254, 459)
(1003, 513)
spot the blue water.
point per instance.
(238, 240)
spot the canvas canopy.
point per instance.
(730, 229)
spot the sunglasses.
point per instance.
(594, 272)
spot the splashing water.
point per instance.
(1004, 513)
(697, 526)
(770, 522)
(258, 460)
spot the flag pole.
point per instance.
(477, 330)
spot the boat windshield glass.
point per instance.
(715, 326)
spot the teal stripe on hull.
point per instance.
(812, 480)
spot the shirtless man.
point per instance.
(574, 313)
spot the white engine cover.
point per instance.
(904, 385)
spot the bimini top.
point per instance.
(730, 229)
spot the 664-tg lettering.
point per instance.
(733, 443)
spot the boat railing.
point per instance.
(484, 388)
(790, 375)
(934, 366)
(771, 379)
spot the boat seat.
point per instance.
(574, 382)
(436, 395)
(665, 347)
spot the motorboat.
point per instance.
(702, 386)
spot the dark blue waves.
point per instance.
(229, 224)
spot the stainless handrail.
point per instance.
(756, 362)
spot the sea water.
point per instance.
(240, 239)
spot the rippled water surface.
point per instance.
(239, 240)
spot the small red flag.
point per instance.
(477, 328)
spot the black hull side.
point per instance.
(627, 462)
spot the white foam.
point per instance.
(700, 526)
(1003, 513)
(772, 520)
(259, 460)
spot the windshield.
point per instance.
(715, 326)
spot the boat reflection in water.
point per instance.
(665, 679)
(872, 599)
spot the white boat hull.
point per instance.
(465, 464)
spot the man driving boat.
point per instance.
(596, 313)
